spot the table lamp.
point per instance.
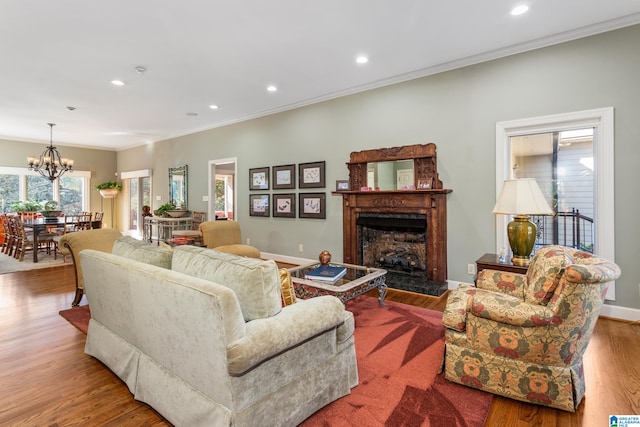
(521, 198)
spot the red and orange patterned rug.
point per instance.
(399, 349)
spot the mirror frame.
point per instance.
(424, 165)
(179, 170)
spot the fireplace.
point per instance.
(403, 231)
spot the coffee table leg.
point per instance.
(382, 293)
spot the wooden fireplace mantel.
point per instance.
(431, 202)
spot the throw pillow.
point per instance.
(286, 287)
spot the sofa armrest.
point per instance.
(273, 335)
(511, 310)
(501, 281)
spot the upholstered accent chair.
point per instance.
(99, 239)
(226, 236)
(524, 336)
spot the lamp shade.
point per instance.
(521, 197)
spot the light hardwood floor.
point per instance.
(47, 380)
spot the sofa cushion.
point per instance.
(255, 282)
(128, 247)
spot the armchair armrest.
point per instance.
(501, 281)
(273, 335)
(511, 310)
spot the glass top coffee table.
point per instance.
(356, 281)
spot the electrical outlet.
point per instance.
(248, 241)
(301, 247)
(471, 269)
(158, 197)
(205, 198)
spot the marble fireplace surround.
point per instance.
(430, 204)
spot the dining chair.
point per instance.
(26, 241)
(97, 220)
(84, 221)
(6, 234)
(197, 218)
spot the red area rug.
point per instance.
(399, 349)
(78, 316)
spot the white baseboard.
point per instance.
(622, 313)
(286, 259)
(608, 310)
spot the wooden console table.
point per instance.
(165, 227)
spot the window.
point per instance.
(562, 164)
(21, 184)
(600, 160)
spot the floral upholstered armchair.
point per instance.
(523, 336)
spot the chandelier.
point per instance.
(50, 164)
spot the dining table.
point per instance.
(37, 225)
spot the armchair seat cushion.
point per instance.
(240, 250)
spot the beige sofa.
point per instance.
(206, 341)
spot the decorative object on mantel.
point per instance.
(342, 185)
(521, 198)
(109, 189)
(324, 257)
(424, 210)
(50, 164)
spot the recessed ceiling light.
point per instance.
(117, 82)
(362, 59)
(213, 107)
(519, 10)
(272, 88)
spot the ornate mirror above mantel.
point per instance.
(395, 216)
(178, 186)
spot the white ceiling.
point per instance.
(64, 53)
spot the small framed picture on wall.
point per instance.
(284, 177)
(311, 175)
(284, 205)
(259, 178)
(259, 205)
(312, 205)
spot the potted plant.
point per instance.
(22, 207)
(162, 210)
(109, 189)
